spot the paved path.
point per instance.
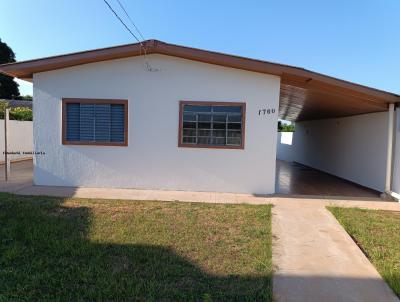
(316, 260)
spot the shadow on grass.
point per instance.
(45, 254)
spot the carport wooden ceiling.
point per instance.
(309, 99)
(304, 94)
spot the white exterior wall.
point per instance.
(20, 139)
(396, 160)
(353, 148)
(285, 146)
(152, 160)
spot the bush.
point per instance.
(3, 106)
(21, 114)
(17, 113)
(285, 127)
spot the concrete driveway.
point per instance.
(315, 259)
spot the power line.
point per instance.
(120, 20)
(130, 19)
(148, 66)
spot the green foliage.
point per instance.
(17, 113)
(8, 87)
(21, 114)
(285, 127)
(3, 105)
(24, 97)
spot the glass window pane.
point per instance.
(234, 133)
(219, 141)
(236, 109)
(189, 132)
(219, 133)
(189, 125)
(189, 117)
(235, 141)
(219, 126)
(196, 108)
(204, 125)
(235, 118)
(219, 118)
(234, 126)
(216, 125)
(204, 132)
(204, 117)
(204, 140)
(188, 140)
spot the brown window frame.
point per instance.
(66, 101)
(208, 103)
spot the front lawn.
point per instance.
(378, 235)
(54, 249)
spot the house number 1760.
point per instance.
(266, 111)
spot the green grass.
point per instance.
(54, 249)
(378, 235)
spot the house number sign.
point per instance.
(266, 111)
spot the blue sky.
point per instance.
(356, 40)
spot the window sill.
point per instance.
(112, 144)
(210, 147)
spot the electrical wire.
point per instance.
(123, 23)
(148, 65)
(130, 19)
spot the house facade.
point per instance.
(179, 118)
(153, 157)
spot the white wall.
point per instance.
(353, 148)
(152, 160)
(396, 165)
(20, 139)
(285, 146)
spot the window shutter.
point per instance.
(102, 122)
(117, 123)
(87, 125)
(97, 122)
(73, 122)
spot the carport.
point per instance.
(344, 139)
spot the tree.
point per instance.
(8, 87)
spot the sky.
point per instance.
(355, 40)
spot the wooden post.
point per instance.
(6, 157)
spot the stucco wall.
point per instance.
(152, 160)
(285, 146)
(20, 139)
(396, 166)
(353, 148)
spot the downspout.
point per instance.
(389, 156)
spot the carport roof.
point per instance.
(304, 94)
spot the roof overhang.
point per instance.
(304, 94)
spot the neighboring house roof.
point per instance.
(18, 103)
(304, 94)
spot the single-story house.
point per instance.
(154, 115)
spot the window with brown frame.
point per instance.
(95, 122)
(212, 124)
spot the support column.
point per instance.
(389, 154)
(6, 157)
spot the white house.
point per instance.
(180, 118)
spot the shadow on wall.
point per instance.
(46, 254)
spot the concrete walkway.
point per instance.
(316, 260)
